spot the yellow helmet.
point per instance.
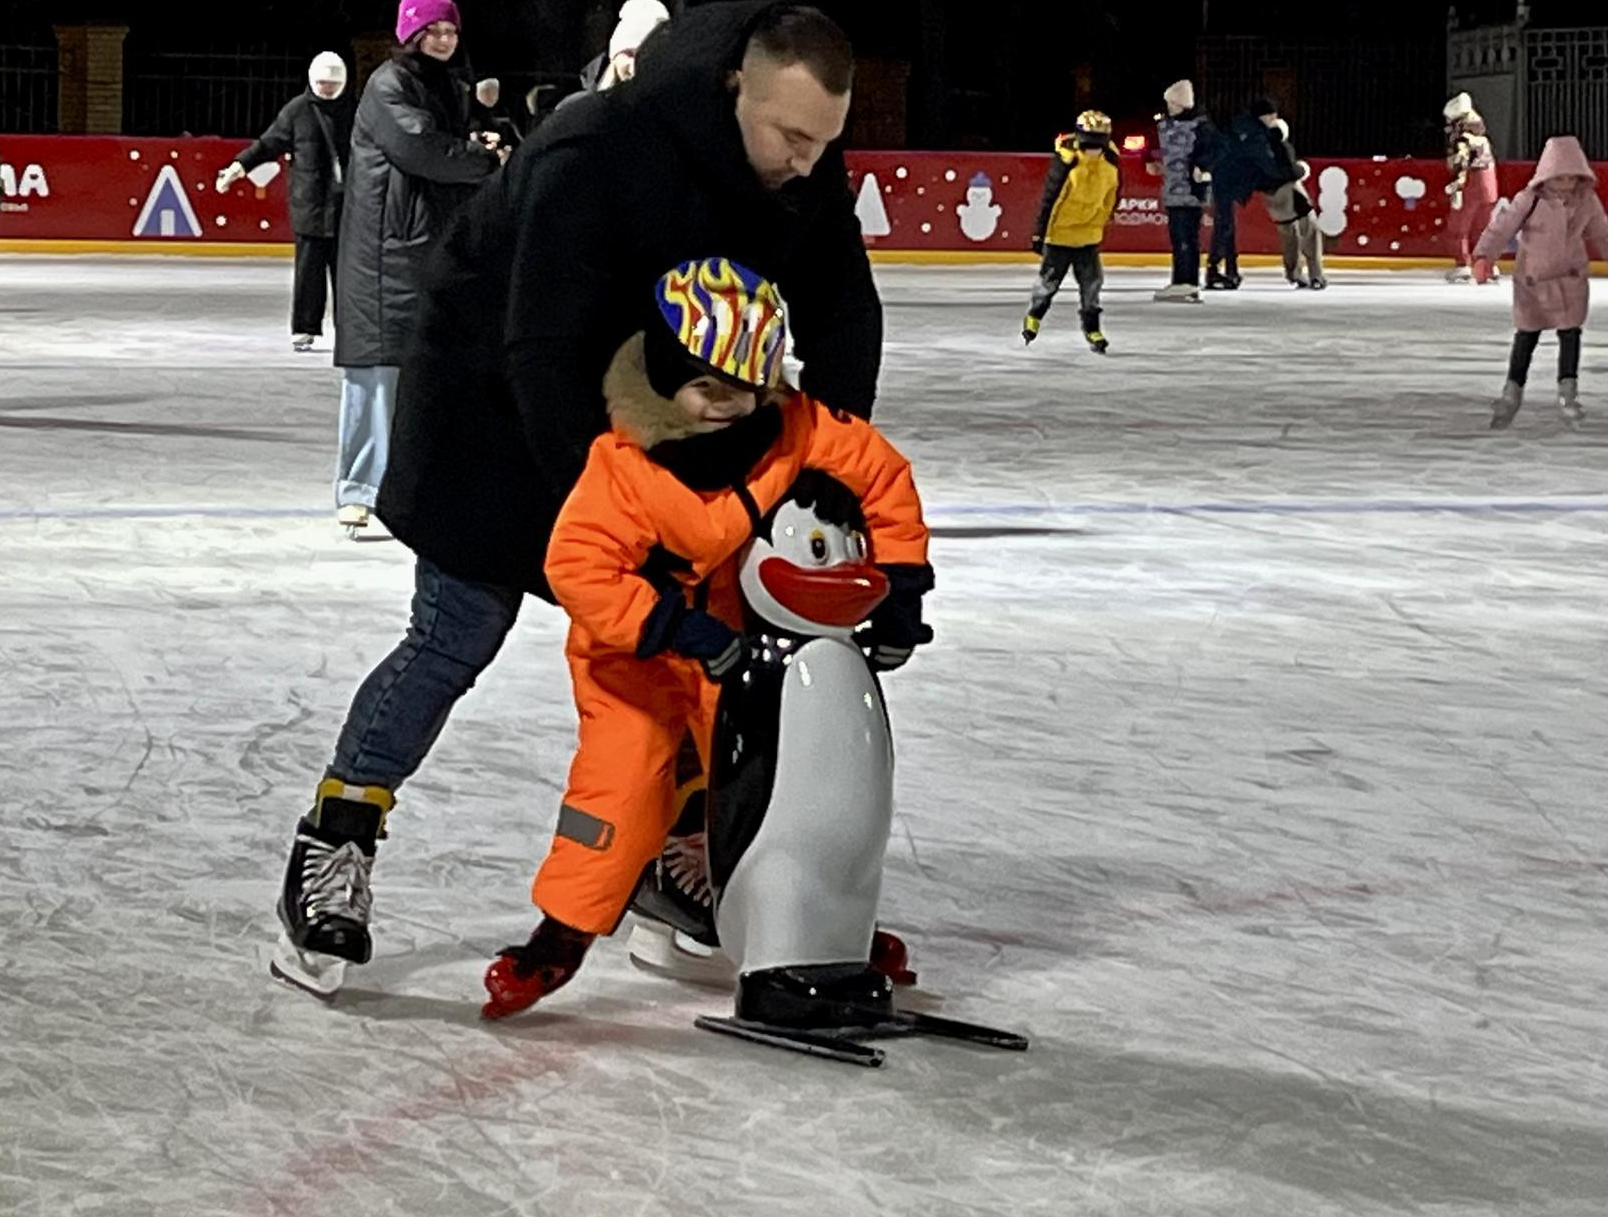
(1094, 122)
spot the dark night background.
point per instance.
(1359, 76)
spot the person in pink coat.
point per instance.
(1553, 218)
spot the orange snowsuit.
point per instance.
(618, 806)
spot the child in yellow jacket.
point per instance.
(1080, 195)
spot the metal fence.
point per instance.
(28, 92)
(1351, 98)
(231, 92)
(1568, 87)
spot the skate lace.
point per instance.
(687, 860)
(335, 882)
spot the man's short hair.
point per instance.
(797, 33)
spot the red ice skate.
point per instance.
(521, 976)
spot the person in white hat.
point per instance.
(638, 19)
(315, 128)
(1473, 188)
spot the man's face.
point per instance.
(787, 119)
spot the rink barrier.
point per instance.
(111, 194)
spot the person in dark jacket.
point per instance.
(722, 143)
(413, 163)
(315, 129)
(489, 118)
(1243, 164)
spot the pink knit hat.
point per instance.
(413, 15)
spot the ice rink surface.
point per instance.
(1257, 772)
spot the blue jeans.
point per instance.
(367, 395)
(455, 632)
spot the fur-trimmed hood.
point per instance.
(635, 410)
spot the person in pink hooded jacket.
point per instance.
(1553, 218)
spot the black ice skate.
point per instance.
(1505, 407)
(1091, 331)
(826, 1010)
(1217, 281)
(324, 904)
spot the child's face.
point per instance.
(713, 404)
(1561, 185)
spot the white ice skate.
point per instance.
(301, 342)
(1178, 293)
(1505, 407)
(666, 951)
(319, 974)
(1460, 274)
(353, 517)
(1569, 402)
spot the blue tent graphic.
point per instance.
(167, 211)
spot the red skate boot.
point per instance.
(891, 957)
(521, 976)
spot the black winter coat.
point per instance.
(317, 134)
(412, 165)
(1243, 162)
(552, 267)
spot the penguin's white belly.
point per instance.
(806, 889)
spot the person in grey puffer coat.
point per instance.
(1184, 137)
(413, 163)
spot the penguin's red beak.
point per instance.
(827, 595)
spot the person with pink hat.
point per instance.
(1553, 218)
(413, 162)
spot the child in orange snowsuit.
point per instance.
(705, 440)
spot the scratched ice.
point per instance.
(1257, 773)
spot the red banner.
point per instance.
(106, 188)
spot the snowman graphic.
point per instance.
(979, 214)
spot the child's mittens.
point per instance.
(706, 638)
(896, 627)
(1482, 270)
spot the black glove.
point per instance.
(896, 626)
(706, 638)
(1038, 245)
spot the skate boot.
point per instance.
(674, 908)
(1505, 407)
(324, 904)
(521, 976)
(1030, 329)
(301, 342)
(353, 517)
(817, 996)
(1460, 274)
(1178, 293)
(1318, 283)
(1091, 331)
(1298, 280)
(1569, 401)
(1217, 281)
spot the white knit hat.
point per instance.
(1460, 106)
(327, 65)
(1180, 94)
(638, 19)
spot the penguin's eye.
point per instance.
(818, 545)
(857, 545)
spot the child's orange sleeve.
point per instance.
(859, 456)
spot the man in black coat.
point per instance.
(1243, 164)
(721, 145)
(315, 128)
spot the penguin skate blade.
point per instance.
(811, 1043)
(909, 1022)
(315, 973)
(667, 952)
